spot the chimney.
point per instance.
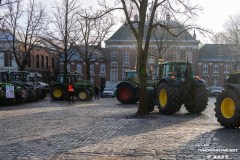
(194, 35)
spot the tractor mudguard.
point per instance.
(235, 87)
(126, 82)
(198, 82)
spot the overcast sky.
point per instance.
(214, 15)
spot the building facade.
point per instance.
(123, 50)
(216, 61)
(42, 59)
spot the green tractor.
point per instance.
(83, 89)
(227, 106)
(127, 91)
(10, 94)
(178, 86)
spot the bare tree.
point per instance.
(181, 11)
(91, 34)
(25, 25)
(232, 28)
(65, 23)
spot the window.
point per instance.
(52, 63)
(102, 68)
(68, 67)
(114, 57)
(151, 59)
(205, 68)
(29, 61)
(92, 68)
(238, 68)
(215, 68)
(113, 75)
(125, 57)
(8, 59)
(79, 68)
(46, 62)
(37, 61)
(215, 82)
(42, 61)
(226, 68)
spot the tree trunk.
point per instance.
(88, 75)
(143, 103)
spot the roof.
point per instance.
(124, 33)
(217, 52)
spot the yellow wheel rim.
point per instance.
(57, 93)
(82, 95)
(163, 97)
(228, 108)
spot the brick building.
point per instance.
(42, 59)
(123, 53)
(216, 61)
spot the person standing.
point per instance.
(96, 91)
(70, 93)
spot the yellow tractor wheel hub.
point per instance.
(228, 108)
(57, 93)
(82, 95)
(163, 97)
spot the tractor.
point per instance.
(10, 94)
(127, 91)
(26, 80)
(227, 105)
(83, 89)
(178, 86)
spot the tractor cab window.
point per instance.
(166, 71)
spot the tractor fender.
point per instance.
(198, 82)
(235, 87)
(169, 81)
(126, 82)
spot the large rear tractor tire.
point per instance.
(168, 99)
(126, 94)
(227, 109)
(150, 97)
(200, 100)
(83, 95)
(22, 97)
(57, 93)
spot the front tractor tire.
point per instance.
(199, 100)
(83, 95)
(168, 99)
(57, 93)
(227, 109)
(126, 94)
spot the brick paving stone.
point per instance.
(105, 129)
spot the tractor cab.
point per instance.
(181, 71)
(131, 76)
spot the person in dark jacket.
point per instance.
(96, 92)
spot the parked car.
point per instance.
(108, 92)
(215, 90)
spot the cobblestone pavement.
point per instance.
(106, 129)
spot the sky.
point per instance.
(213, 16)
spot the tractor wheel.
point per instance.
(32, 96)
(126, 94)
(168, 99)
(22, 96)
(83, 95)
(200, 100)
(150, 97)
(57, 93)
(227, 109)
